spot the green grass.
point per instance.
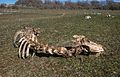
(57, 30)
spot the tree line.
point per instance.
(56, 4)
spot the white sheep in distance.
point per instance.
(87, 17)
(108, 15)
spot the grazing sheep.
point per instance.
(87, 17)
(109, 15)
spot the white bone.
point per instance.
(23, 51)
(21, 39)
(15, 37)
(34, 38)
(50, 50)
(20, 48)
(33, 54)
(28, 48)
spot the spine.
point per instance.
(61, 51)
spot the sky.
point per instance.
(13, 1)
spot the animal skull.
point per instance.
(80, 40)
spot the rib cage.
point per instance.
(24, 36)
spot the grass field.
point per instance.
(58, 30)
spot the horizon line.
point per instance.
(61, 1)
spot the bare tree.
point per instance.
(31, 3)
(3, 5)
(95, 4)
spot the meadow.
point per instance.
(57, 29)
